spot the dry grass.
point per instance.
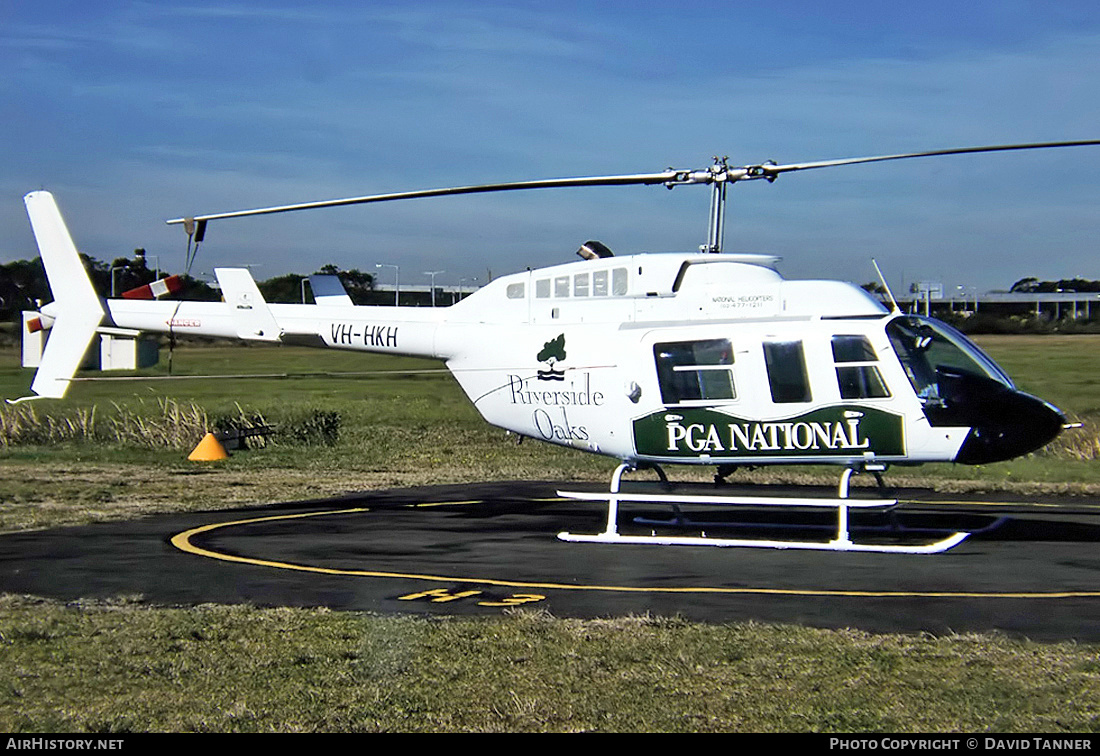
(172, 425)
(1079, 443)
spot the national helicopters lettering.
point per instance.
(685, 358)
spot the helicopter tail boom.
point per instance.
(77, 313)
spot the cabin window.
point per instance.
(580, 285)
(787, 376)
(515, 291)
(618, 282)
(860, 382)
(856, 375)
(561, 287)
(542, 288)
(853, 349)
(690, 371)
(599, 283)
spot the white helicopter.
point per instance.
(651, 359)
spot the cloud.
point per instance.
(146, 111)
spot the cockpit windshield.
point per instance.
(924, 345)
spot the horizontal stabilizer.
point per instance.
(251, 314)
(329, 290)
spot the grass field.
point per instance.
(127, 666)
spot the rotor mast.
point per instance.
(716, 225)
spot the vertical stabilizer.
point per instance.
(76, 308)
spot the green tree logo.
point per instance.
(553, 351)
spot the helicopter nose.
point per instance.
(1007, 425)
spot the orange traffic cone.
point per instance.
(208, 450)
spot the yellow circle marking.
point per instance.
(182, 541)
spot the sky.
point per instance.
(132, 113)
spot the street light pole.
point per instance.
(117, 267)
(396, 281)
(433, 274)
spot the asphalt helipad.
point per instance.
(1031, 567)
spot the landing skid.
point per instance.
(842, 503)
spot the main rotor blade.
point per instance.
(669, 176)
(720, 172)
(771, 171)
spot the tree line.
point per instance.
(1032, 285)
